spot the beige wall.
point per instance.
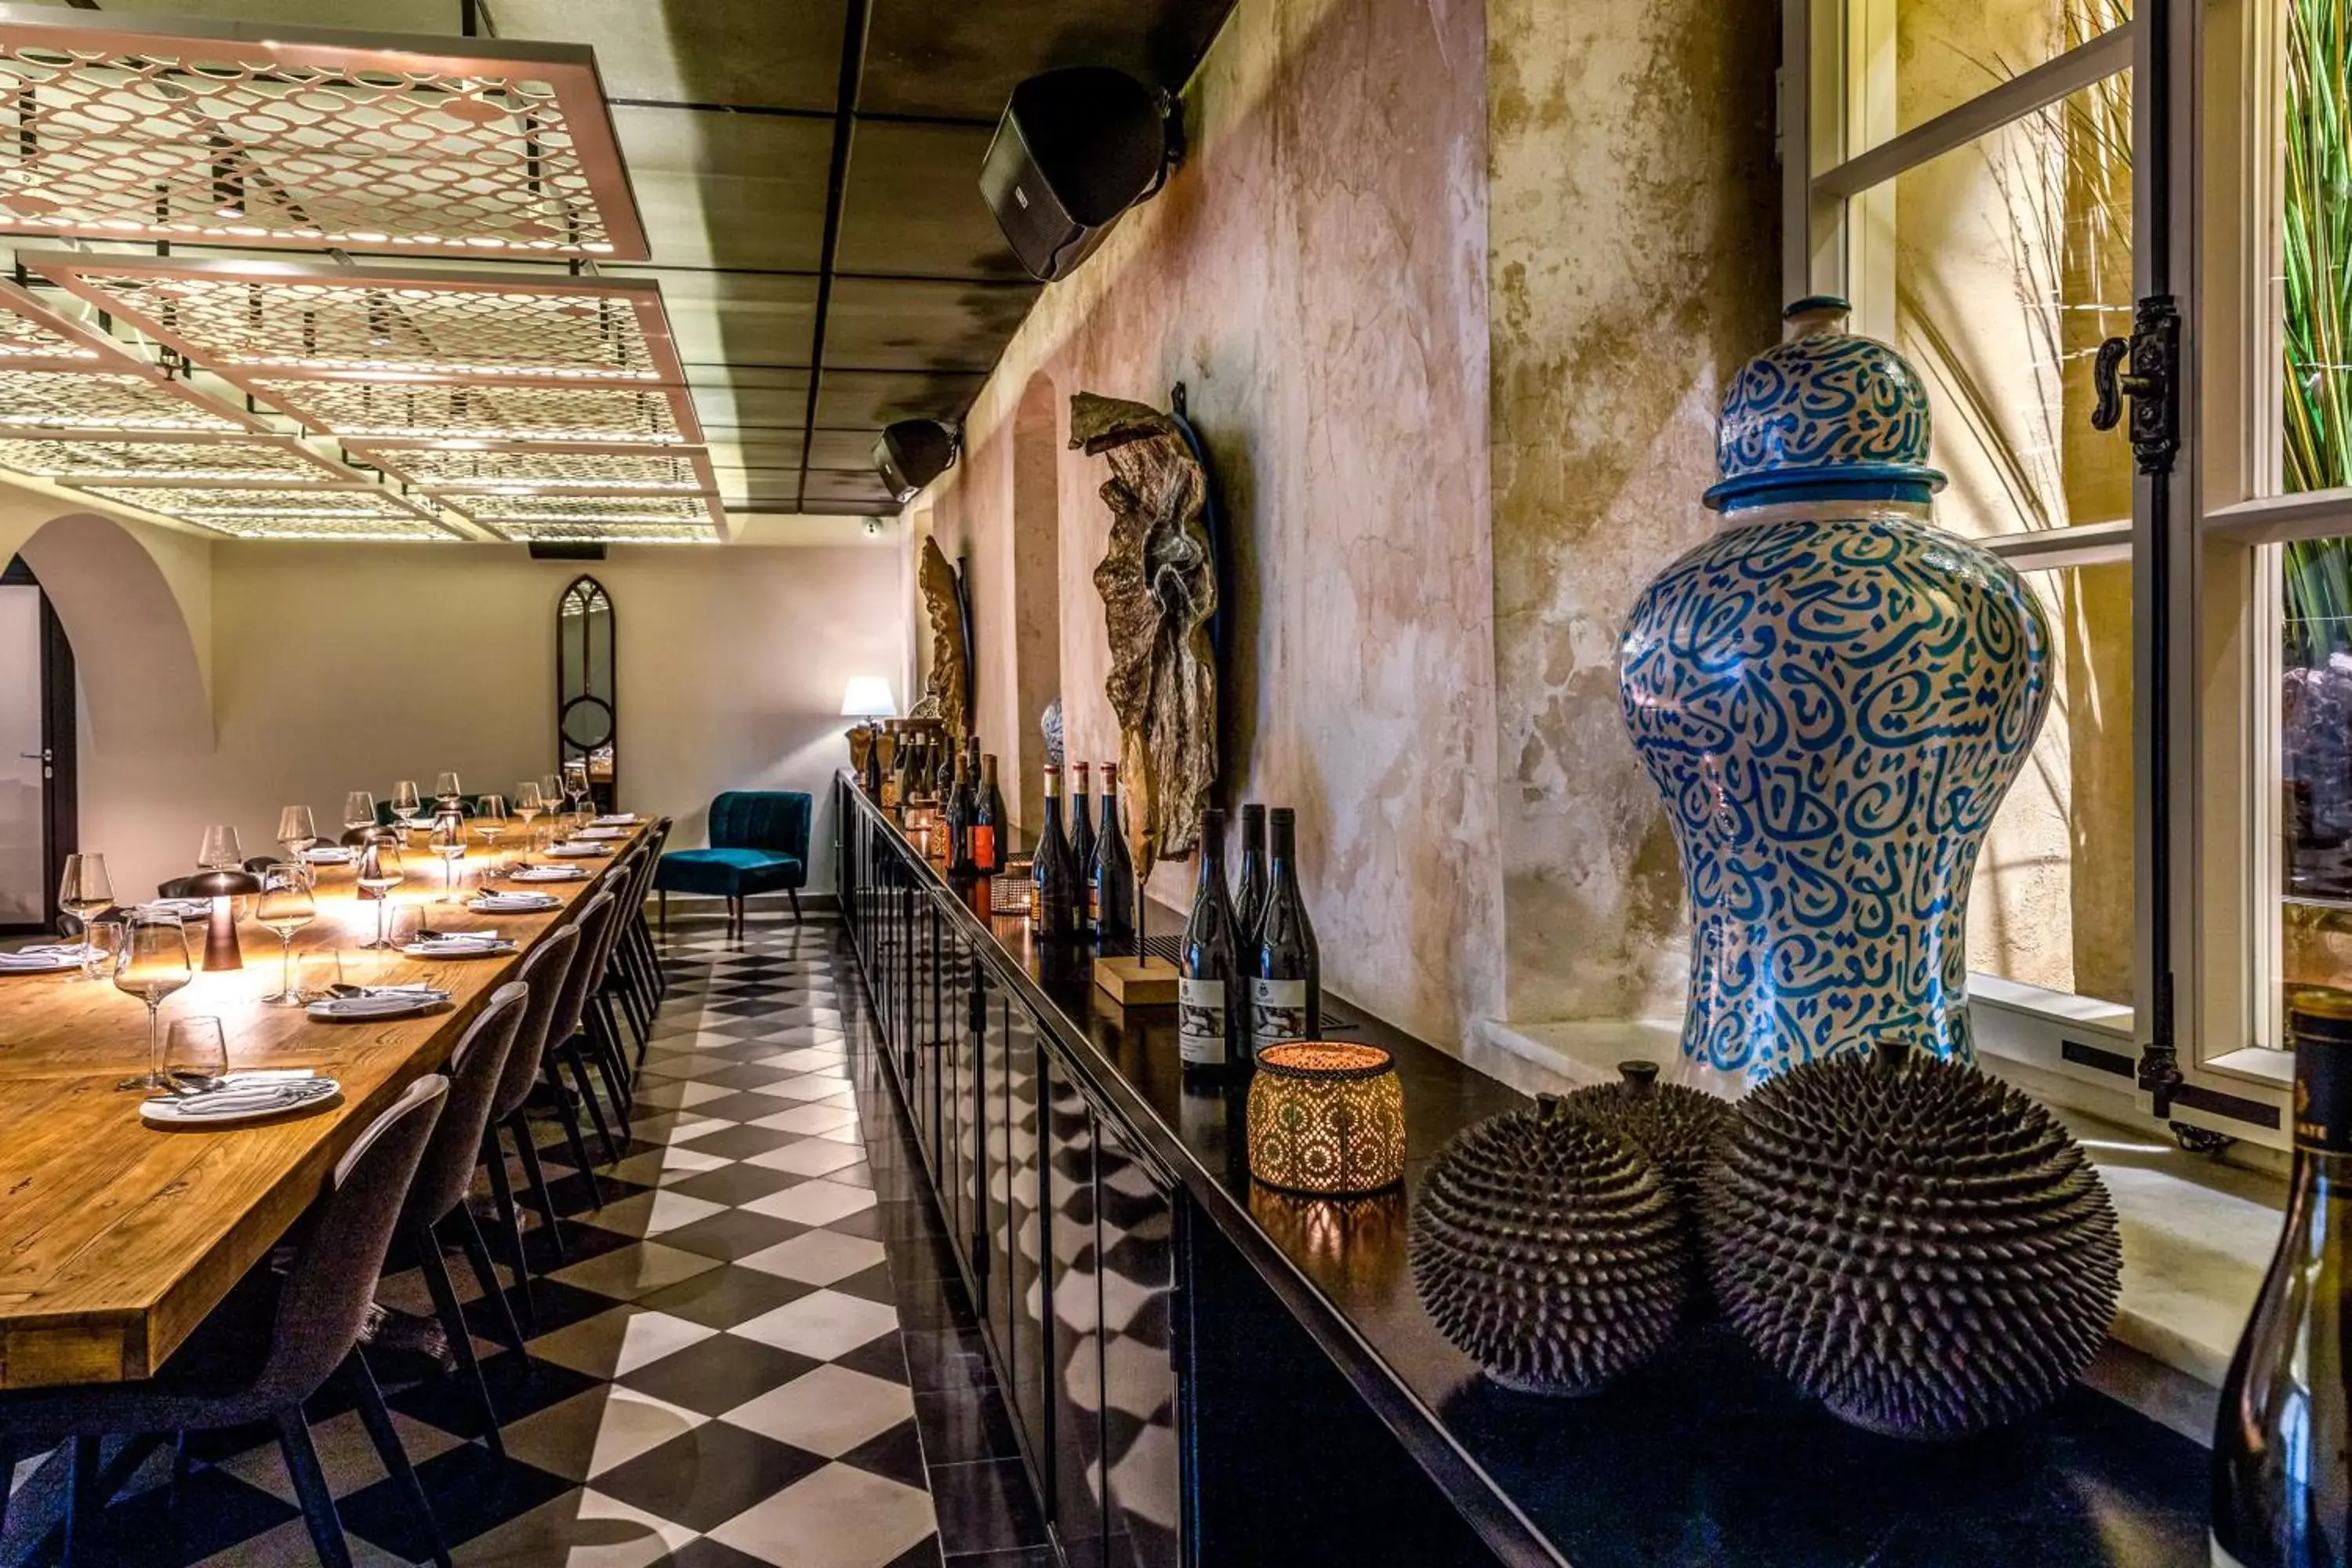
(1315, 274)
(343, 666)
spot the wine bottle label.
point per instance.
(1201, 1022)
(1278, 1012)
(2323, 1094)
(983, 846)
(2222, 1556)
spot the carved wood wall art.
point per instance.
(948, 689)
(1159, 585)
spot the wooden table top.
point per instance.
(117, 1237)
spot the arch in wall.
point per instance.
(1036, 579)
(140, 678)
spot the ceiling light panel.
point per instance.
(360, 511)
(87, 457)
(136, 400)
(469, 411)
(505, 509)
(281, 318)
(611, 533)
(272, 135)
(553, 467)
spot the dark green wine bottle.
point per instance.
(1286, 967)
(1110, 900)
(1211, 997)
(1082, 836)
(2283, 1442)
(1249, 897)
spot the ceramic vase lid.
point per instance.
(1823, 414)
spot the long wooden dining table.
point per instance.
(116, 1237)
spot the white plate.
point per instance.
(168, 1112)
(55, 966)
(438, 950)
(390, 1007)
(548, 874)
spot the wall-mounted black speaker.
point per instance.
(566, 550)
(1076, 149)
(911, 454)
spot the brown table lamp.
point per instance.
(223, 888)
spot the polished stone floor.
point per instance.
(753, 1353)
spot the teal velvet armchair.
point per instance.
(759, 843)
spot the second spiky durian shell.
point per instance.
(1911, 1241)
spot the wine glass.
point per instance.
(551, 790)
(220, 850)
(296, 830)
(490, 819)
(84, 890)
(447, 789)
(575, 784)
(528, 803)
(285, 906)
(359, 811)
(195, 1054)
(407, 804)
(448, 841)
(152, 964)
(379, 873)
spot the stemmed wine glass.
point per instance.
(446, 790)
(550, 789)
(84, 891)
(490, 820)
(448, 841)
(296, 830)
(359, 811)
(379, 872)
(220, 850)
(575, 784)
(528, 803)
(286, 906)
(407, 804)
(152, 964)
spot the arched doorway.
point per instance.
(1037, 581)
(39, 790)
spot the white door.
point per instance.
(24, 865)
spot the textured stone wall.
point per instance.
(1317, 275)
(1634, 237)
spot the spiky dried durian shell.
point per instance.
(1683, 1131)
(1918, 1246)
(1548, 1249)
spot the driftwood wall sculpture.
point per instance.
(946, 690)
(1158, 587)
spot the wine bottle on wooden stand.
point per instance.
(1211, 998)
(2282, 1439)
(1286, 971)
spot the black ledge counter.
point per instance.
(1203, 1371)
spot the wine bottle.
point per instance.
(1249, 899)
(894, 777)
(2283, 1442)
(1210, 1000)
(1287, 971)
(1081, 829)
(1111, 886)
(988, 822)
(958, 819)
(1054, 902)
(943, 774)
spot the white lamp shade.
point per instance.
(868, 696)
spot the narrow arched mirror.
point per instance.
(587, 713)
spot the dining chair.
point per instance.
(621, 982)
(641, 960)
(599, 1033)
(446, 1175)
(271, 1344)
(759, 843)
(542, 970)
(566, 1039)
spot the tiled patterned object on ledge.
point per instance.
(754, 1355)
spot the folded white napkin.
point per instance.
(599, 834)
(514, 903)
(575, 850)
(550, 874)
(177, 908)
(379, 1000)
(46, 956)
(328, 855)
(238, 1094)
(618, 819)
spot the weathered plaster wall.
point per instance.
(1633, 236)
(1317, 275)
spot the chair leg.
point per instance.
(453, 1320)
(570, 1116)
(477, 1255)
(795, 894)
(536, 1174)
(311, 1486)
(664, 896)
(83, 1505)
(386, 1438)
(572, 1060)
(493, 1156)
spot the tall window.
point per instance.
(1978, 177)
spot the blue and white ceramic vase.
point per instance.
(1832, 695)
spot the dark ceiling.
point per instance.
(808, 172)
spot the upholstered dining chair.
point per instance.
(269, 1346)
(759, 843)
(544, 969)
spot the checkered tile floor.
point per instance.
(755, 1353)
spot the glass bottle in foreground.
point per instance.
(1286, 972)
(2282, 1440)
(1210, 1000)
(1111, 901)
(1055, 902)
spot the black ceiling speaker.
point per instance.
(1075, 148)
(911, 454)
(566, 550)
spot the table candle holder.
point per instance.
(1326, 1117)
(1014, 888)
